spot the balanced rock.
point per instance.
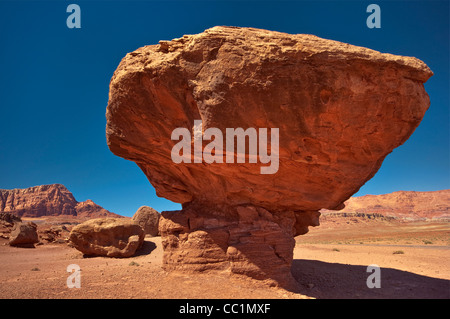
(324, 115)
(148, 219)
(24, 235)
(111, 237)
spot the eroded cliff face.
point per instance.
(407, 205)
(38, 201)
(48, 200)
(339, 110)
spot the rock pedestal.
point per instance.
(245, 240)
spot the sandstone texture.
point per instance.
(24, 235)
(340, 110)
(111, 237)
(148, 219)
(226, 238)
(48, 200)
(53, 234)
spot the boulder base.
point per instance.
(245, 240)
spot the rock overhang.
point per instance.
(340, 109)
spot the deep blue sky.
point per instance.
(54, 84)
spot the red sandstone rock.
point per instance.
(148, 219)
(304, 219)
(227, 239)
(111, 237)
(402, 205)
(340, 110)
(23, 235)
(53, 234)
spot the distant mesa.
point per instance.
(48, 200)
(403, 205)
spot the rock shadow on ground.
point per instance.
(325, 280)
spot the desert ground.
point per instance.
(329, 262)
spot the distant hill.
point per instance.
(407, 205)
(48, 200)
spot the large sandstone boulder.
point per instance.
(409, 205)
(148, 219)
(339, 110)
(23, 235)
(111, 237)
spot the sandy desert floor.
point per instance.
(329, 262)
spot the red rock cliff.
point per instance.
(47, 200)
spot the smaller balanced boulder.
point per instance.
(148, 219)
(111, 237)
(23, 235)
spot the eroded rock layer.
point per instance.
(244, 240)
